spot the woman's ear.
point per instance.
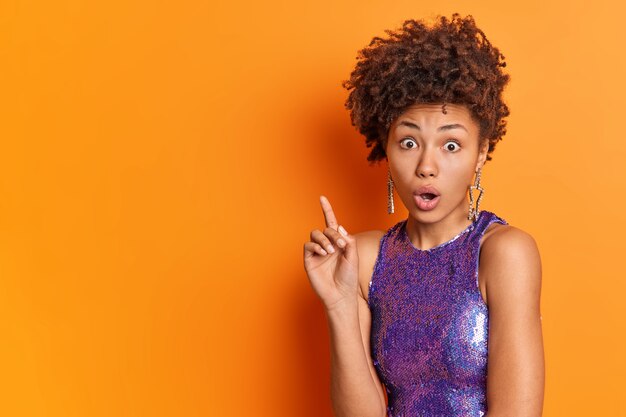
(482, 154)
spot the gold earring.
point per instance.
(474, 211)
(390, 208)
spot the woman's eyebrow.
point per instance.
(408, 124)
(452, 126)
(441, 128)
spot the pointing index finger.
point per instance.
(329, 215)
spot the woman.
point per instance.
(439, 315)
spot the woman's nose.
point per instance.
(426, 166)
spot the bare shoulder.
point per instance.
(510, 262)
(368, 244)
(507, 243)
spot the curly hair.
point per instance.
(450, 62)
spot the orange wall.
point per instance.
(160, 170)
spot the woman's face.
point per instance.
(426, 147)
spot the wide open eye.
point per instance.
(452, 146)
(408, 141)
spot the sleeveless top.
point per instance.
(430, 324)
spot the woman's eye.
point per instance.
(408, 143)
(451, 146)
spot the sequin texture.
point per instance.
(430, 324)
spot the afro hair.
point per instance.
(450, 62)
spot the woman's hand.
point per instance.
(331, 261)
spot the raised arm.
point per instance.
(367, 244)
(332, 264)
(355, 389)
(511, 266)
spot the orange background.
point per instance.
(160, 171)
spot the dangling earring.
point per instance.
(474, 211)
(390, 208)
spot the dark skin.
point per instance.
(420, 153)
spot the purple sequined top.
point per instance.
(430, 324)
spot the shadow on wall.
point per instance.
(358, 193)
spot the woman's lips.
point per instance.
(424, 204)
(426, 197)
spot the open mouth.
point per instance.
(427, 196)
(426, 201)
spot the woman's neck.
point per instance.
(428, 235)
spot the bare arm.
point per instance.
(355, 387)
(354, 392)
(515, 375)
(336, 268)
